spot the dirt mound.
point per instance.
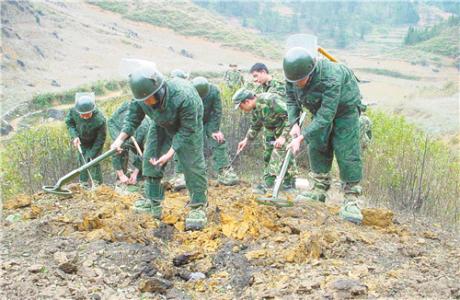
(93, 245)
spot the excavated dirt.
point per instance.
(93, 246)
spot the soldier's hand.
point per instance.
(279, 142)
(133, 177)
(76, 142)
(219, 137)
(242, 145)
(163, 159)
(295, 144)
(117, 145)
(122, 177)
(295, 131)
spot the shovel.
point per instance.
(274, 200)
(57, 188)
(84, 163)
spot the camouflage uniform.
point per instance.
(92, 133)
(272, 86)
(234, 79)
(271, 113)
(115, 124)
(177, 122)
(333, 97)
(212, 116)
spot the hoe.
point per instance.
(59, 190)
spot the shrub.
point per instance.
(407, 170)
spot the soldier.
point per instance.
(265, 81)
(120, 160)
(233, 77)
(212, 103)
(179, 73)
(330, 92)
(87, 129)
(176, 111)
(268, 111)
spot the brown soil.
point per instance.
(93, 246)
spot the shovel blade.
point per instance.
(56, 191)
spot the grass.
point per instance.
(388, 73)
(189, 19)
(100, 88)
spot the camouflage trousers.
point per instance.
(273, 160)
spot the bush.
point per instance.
(407, 170)
(36, 157)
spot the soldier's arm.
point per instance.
(293, 108)
(326, 113)
(133, 118)
(255, 127)
(188, 115)
(216, 115)
(71, 126)
(281, 114)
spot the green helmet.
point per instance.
(179, 73)
(85, 103)
(145, 82)
(298, 64)
(241, 95)
(201, 85)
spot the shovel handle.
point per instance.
(329, 56)
(139, 151)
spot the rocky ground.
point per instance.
(93, 246)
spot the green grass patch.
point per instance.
(99, 88)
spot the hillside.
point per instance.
(55, 46)
(94, 246)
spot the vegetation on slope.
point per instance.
(440, 39)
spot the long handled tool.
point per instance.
(57, 188)
(84, 163)
(136, 145)
(274, 199)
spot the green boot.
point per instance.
(350, 210)
(228, 177)
(196, 219)
(156, 210)
(314, 195)
(288, 186)
(142, 205)
(260, 189)
(321, 183)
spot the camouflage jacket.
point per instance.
(212, 105)
(270, 113)
(234, 78)
(272, 86)
(332, 92)
(92, 132)
(180, 113)
(115, 124)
